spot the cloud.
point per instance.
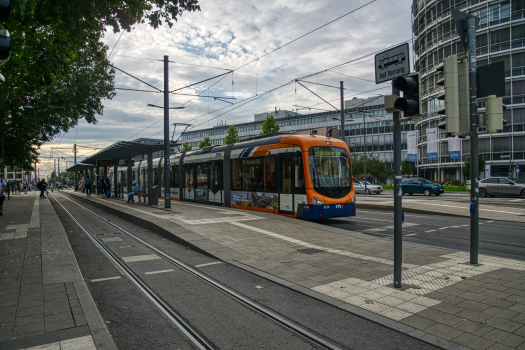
(228, 35)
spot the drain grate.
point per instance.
(310, 251)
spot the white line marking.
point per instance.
(160, 271)
(208, 264)
(430, 231)
(105, 279)
(443, 228)
(125, 246)
(412, 234)
(140, 258)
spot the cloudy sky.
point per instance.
(228, 35)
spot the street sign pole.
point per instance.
(398, 204)
(474, 161)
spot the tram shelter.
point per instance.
(80, 169)
(126, 150)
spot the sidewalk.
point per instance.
(446, 206)
(446, 302)
(43, 298)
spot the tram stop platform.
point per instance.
(445, 301)
(43, 297)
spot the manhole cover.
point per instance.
(310, 251)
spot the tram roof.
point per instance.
(123, 150)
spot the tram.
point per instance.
(297, 175)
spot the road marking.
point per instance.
(208, 264)
(465, 225)
(105, 279)
(430, 231)
(412, 234)
(111, 239)
(376, 229)
(140, 258)
(455, 226)
(443, 228)
(160, 271)
(491, 221)
(125, 246)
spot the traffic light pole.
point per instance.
(398, 192)
(342, 111)
(474, 161)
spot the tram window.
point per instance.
(237, 175)
(189, 178)
(174, 176)
(214, 180)
(270, 177)
(287, 176)
(299, 176)
(252, 174)
(202, 176)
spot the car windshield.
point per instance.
(330, 169)
(518, 181)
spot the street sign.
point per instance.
(517, 165)
(392, 63)
(491, 80)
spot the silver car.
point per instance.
(359, 187)
(494, 186)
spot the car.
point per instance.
(359, 187)
(419, 185)
(494, 186)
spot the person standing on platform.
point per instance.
(88, 185)
(107, 185)
(3, 186)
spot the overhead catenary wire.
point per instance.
(116, 43)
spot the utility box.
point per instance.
(154, 196)
(389, 103)
(494, 114)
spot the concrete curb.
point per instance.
(407, 210)
(378, 319)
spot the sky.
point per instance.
(226, 36)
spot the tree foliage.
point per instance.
(270, 126)
(186, 147)
(232, 136)
(466, 167)
(376, 169)
(205, 143)
(58, 71)
(407, 167)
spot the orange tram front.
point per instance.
(303, 176)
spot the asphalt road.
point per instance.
(498, 238)
(135, 323)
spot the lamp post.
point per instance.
(364, 138)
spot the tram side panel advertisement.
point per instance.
(260, 200)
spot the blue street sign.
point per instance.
(517, 165)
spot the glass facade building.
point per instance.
(499, 38)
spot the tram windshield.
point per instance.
(330, 171)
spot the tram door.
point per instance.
(286, 184)
(189, 182)
(214, 183)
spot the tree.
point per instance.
(58, 72)
(205, 143)
(376, 168)
(270, 126)
(232, 136)
(186, 147)
(407, 167)
(466, 167)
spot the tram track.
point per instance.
(191, 334)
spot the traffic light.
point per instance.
(5, 40)
(410, 103)
(494, 114)
(456, 95)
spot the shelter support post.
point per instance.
(150, 177)
(130, 170)
(115, 177)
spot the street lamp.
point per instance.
(364, 137)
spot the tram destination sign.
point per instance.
(392, 63)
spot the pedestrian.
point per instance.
(83, 184)
(88, 185)
(3, 186)
(25, 187)
(20, 187)
(42, 187)
(107, 185)
(134, 190)
(102, 186)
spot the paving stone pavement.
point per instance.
(40, 282)
(478, 307)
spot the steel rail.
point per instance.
(303, 332)
(187, 330)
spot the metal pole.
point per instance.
(75, 173)
(55, 169)
(115, 177)
(342, 111)
(150, 177)
(167, 194)
(398, 204)
(364, 143)
(3, 168)
(474, 161)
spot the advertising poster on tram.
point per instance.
(263, 200)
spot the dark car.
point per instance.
(494, 186)
(424, 186)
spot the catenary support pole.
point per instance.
(474, 161)
(398, 192)
(130, 171)
(75, 184)
(150, 177)
(115, 177)
(364, 145)
(167, 197)
(342, 111)
(55, 170)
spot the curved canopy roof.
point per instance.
(123, 150)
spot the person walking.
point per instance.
(88, 185)
(25, 187)
(3, 186)
(42, 187)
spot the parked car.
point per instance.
(494, 186)
(359, 187)
(419, 185)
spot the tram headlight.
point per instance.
(316, 200)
